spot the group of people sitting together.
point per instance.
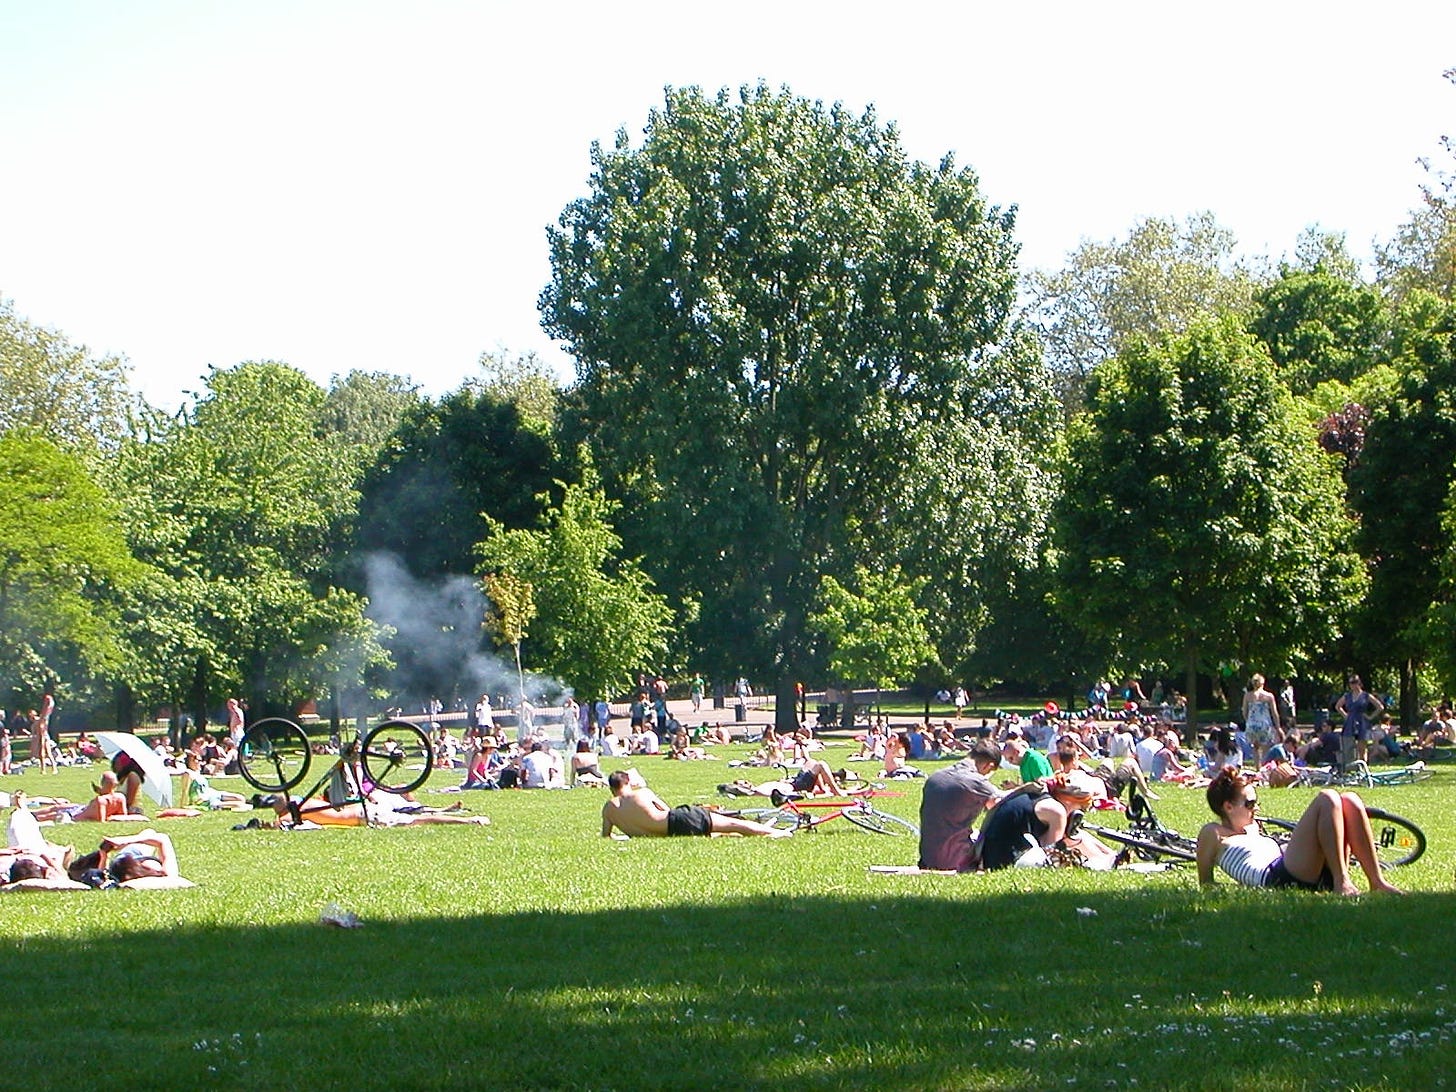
(1038, 821)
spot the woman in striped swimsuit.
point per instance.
(1333, 828)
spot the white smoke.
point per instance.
(440, 647)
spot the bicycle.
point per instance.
(275, 755)
(1359, 774)
(810, 813)
(1398, 841)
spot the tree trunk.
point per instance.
(1190, 722)
(1410, 698)
(786, 718)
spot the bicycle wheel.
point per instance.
(1149, 847)
(1398, 841)
(397, 756)
(274, 755)
(879, 822)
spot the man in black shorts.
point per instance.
(638, 812)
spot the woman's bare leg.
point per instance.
(1360, 840)
(1318, 842)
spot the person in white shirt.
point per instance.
(541, 768)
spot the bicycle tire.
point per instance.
(880, 822)
(1148, 847)
(397, 756)
(1398, 841)
(274, 755)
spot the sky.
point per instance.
(367, 185)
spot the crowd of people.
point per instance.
(1064, 766)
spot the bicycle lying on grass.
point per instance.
(1359, 774)
(812, 812)
(395, 756)
(1398, 841)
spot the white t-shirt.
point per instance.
(538, 766)
(1146, 750)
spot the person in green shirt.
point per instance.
(1031, 763)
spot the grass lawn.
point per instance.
(533, 953)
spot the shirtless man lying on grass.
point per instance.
(638, 812)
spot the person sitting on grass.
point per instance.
(1039, 820)
(897, 751)
(1030, 763)
(637, 812)
(954, 799)
(585, 769)
(1334, 827)
(1168, 767)
(107, 804)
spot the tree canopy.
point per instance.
(771, 307)
(1200, 524)
(600, 620)
(62, 560)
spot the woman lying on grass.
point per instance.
(126, 857)
(1317, 857)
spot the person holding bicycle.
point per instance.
(1334, 827)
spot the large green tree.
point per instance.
(1401, 486)
(874, 629)
(239, 504)
(63, 560)
(1200, 522)
(1319, 326)
(771, 307)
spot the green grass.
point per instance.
(535, 954)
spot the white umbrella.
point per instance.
(157, 782)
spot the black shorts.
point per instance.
(1278, 876)
(686, 819)
(804, 781)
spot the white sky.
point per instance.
(360, 184)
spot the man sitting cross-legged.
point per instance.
(638, 812)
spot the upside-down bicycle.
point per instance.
(1398, 841)
(275, 754)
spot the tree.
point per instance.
(771, 308)
(1200, 523)
(56, 389)
(1154, 283)
(876, 635)
(240, 504)
(1319, 326)
(522, 381)
(1400, 488)
(363, 409)
(512, 606)
(448, 466)
(63, 559)
(598, 619)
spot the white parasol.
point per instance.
(158, 782)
